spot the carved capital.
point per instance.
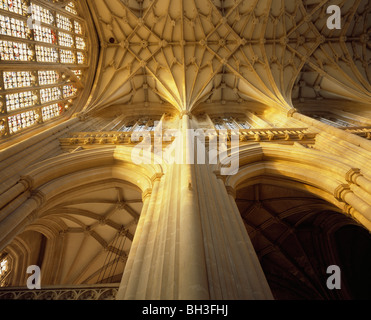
(341, 191)
(27, 182)
(352, 175)
(32, 216)
(219, 176)
(157, 177)
(38, 196)
(146, 193)
(189, 114)
(291, 112)
(348, 210)
(231, 191)
(82, 116)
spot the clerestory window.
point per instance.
(230, 124)
(140, 125)
(4, 269)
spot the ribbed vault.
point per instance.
(297, 236)
(188, 52)
(86, 237)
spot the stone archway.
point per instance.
(297, 236)
(295, 218)
(86, 213)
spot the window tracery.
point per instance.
(4, 269)
(139, 125)
(52, 50)
(332, 120)
(229, 123)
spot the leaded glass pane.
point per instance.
(14, 51)
(48, 77)
(19, 79)
(15, 6)
(22, 120)
(64, 22)
(52, 111)
(41, 14)
(13, 27)
(67, 56)
(46, 54)
(44, 34)
(50, 94)
(19, 100)
(69, 91)
(51, 27)
(65, 39)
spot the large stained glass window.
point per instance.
(43, 56)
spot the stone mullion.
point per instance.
(4, 128)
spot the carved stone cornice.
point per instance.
(274, 135)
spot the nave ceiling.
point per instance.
(186, 53)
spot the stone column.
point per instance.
(167, 259)
(191, 242)
(234, 270)
(193, 277)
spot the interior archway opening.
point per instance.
(82, 238)
(297, 236)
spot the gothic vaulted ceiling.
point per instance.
(187, 52)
